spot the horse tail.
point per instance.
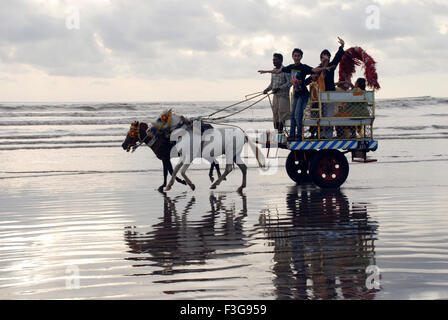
(258, 154)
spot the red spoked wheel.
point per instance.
(329, 169)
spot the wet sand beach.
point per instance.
(83, 222)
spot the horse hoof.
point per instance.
(160, 189)
(239, 190)
(212, 186)
(193, 187)
(167, 188)
(211, 178)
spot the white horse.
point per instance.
(207, 143)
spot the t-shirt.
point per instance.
(298, 73)
(329, 75)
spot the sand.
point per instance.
(101, 230)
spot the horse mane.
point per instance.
(144, 124)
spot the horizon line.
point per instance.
(172, 101)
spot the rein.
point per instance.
(245, 108)
(252, 96)
(136, 130)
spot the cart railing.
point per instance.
(339, 115)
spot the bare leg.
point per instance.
(222, 177)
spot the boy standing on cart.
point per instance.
(280, 84)
(298, 71)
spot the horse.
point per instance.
(161, 146)
(214, 142)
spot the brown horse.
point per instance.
(161, 147)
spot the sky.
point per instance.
(197, 50)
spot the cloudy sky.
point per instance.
(178, 50)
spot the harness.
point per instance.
(135, 131)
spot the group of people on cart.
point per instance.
(301, 76)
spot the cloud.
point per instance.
(215, 40)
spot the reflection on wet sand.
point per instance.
(178, 241)
(322, 246)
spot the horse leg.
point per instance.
(239, 162)
(214, 164)
(165, 174)
(243, 168)
(173, 175)
(170, 170)
(182, 172)
(210, 173)
(217, 168)
(223, 176)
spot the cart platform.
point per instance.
(334, 123)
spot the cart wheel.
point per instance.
(297, 167)
(329, 169)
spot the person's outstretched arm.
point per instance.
(338, 56)
(316, 70)
(275, 71)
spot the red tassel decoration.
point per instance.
(355, 57)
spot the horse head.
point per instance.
(137, 133)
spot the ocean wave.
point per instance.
(58, 147)
(103, 121)
(64, 135)
(436, 115)
(411, 137)
(147, 106)
(58, 142)
(110, 121)
(77, 114)
(410, 102)
(413, 128)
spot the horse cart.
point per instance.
(335, 123)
